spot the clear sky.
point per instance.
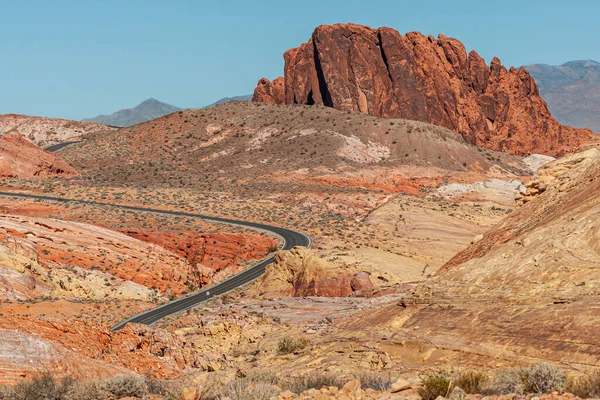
(79, 58)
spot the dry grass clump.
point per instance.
(289, 345)
(536, 379)
(375, 381)
(436, 385)
(472, 382)
(586, 386)
(47, 387)
(315, 380)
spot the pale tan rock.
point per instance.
(400, 385)
(299, 272)
(190, 393)
(48, 131)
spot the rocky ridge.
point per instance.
(383, 73)
(47, 131)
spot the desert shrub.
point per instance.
(375, 381)
(585, 387)
(471, 382)
(539, 378)
(83, 391)
(156, 386)
(435, 385)
(289, 345)
(40, 387)
(249, 389)
(543, 378)
(507, 381)
(316, 380)
(125, 386)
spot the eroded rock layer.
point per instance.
(383, 73)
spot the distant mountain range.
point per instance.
(147, 110)
(572, 91)
(246, 97)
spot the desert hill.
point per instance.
(145, 111)
(239, 145)
(20, 158)
(527, 290)
(383, 73)
(571, 91)
(47, 131)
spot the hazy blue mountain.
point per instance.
(246, 97)
(572, 91)
(147, 110)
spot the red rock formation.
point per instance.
(88, 350)
(269, 92)
(299, 272)
(382, 73)
(20, 158)
(209, 253)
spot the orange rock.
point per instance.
(20, 158)
(382, 73)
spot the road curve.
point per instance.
(56, 147)
(290, 238)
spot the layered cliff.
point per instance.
(383, 73)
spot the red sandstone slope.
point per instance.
(417, 77)
(20, 158)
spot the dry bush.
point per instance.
(315, 380)
(435, 385)
(289, 345)
(543, 378)
(507, 381)
(586, 386)
(538, 379)
(472, 382)
(375, 381)
(249, 389)
(125, 386)
(40, 387)
(83, 391)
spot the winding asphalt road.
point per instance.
(290, 238)
(56, 147)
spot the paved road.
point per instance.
(56, 147)
(290, 237)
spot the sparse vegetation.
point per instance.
(436, 385)
(472, 382)
(585, 386)
(290, 345)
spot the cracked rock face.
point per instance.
(383, 73)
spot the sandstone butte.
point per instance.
(383, 73)
(20, 158)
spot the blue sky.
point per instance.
(76, 59)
